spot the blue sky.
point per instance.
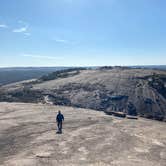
(82, 32)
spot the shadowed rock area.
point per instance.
(130, 91)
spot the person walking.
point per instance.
(59, 120)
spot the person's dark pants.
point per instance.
(59, 124)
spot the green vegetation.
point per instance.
(61, 74)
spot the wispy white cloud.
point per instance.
(22, 22)
(23, 28)
(41, 56)
(64, 41)
(61, 41)
(3, 26)
(20, 30)
(27, 34)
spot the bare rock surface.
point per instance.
(131, 91)
(28, 138)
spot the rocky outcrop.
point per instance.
(130, 91)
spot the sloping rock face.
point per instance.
(90, 138)
(132, 91)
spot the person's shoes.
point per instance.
(59, 132)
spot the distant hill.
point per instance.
(159, 67)
(11, 75)
(16, 74)
(120, 89)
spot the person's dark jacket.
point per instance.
(59, 118)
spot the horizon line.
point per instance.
(78, 66)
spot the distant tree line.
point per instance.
(61, 74)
